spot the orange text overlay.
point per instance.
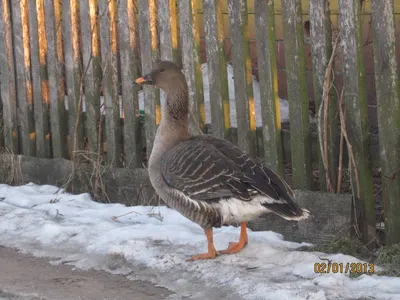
(352, 268)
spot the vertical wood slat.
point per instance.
(167, 20)
(39, 79)
(173, 15)
(20, 25)
(56, 84)
(242, 73)
(92, 74)
(108, 33)
(128, 43)
(217, 72)
(387, 92)
(190, 43)
(356, 106)
(300, 140)
(321, 52)
(268, 78)
(148, 90)
(7, 78)
(73, 73)
(155, 51)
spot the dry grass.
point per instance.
(389, 259)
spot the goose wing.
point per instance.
(202, 172)
(209, 169)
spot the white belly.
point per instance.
(234, 211)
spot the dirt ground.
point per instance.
(24, 277)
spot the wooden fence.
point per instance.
(67, 69)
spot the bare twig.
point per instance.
(352, 161)
(339, 180)
(325, 106)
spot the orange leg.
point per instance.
(212, 253)
(236, 247)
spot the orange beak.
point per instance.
(140, 80)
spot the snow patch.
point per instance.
(73, 229)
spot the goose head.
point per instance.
(165, 75)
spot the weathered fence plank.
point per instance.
(242, 73)
(321, 52)
(39, 77)
(73, 74)
(174, 20)
(268, 78)
(190, 43)
(7, 79)
(92, 74)
(19, 10)
(217, 73)
(108, 33)
(56, 83)
(297, 94)
(356, 106)
(387, 92)
(155, 49)
(149, 91)
(164, 22)
(128, 43)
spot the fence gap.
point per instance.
(300, 140)
(217, 72)
(387, 94)
(268, 78)
(56, 84)
(242, 73)
(356, 106)
(190, 43)
(7, 76)
(73, 74)
(109, 46)
(321, 53)
(92, 75)
(39, 78)
(129, 61)
(149, 91)
(20, 23)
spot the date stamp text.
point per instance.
(351, 268)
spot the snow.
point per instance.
(284, 104)
(144, 245)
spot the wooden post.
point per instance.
(20, 23)
(268, 77)
(150, 94)
(387, 92)
(242, 73)
(56, 84)
(356, 106)
(217, 72)
(73, 73)
(108, 33)
(168, 30)
(128, 43)
(38, 47)
(321, 52)
(92, 74)
(190, 43)
(7, 79)
(300, 140)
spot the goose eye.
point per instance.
(162, 70)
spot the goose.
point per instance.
(207, 179)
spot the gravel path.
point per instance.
(24, 277)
